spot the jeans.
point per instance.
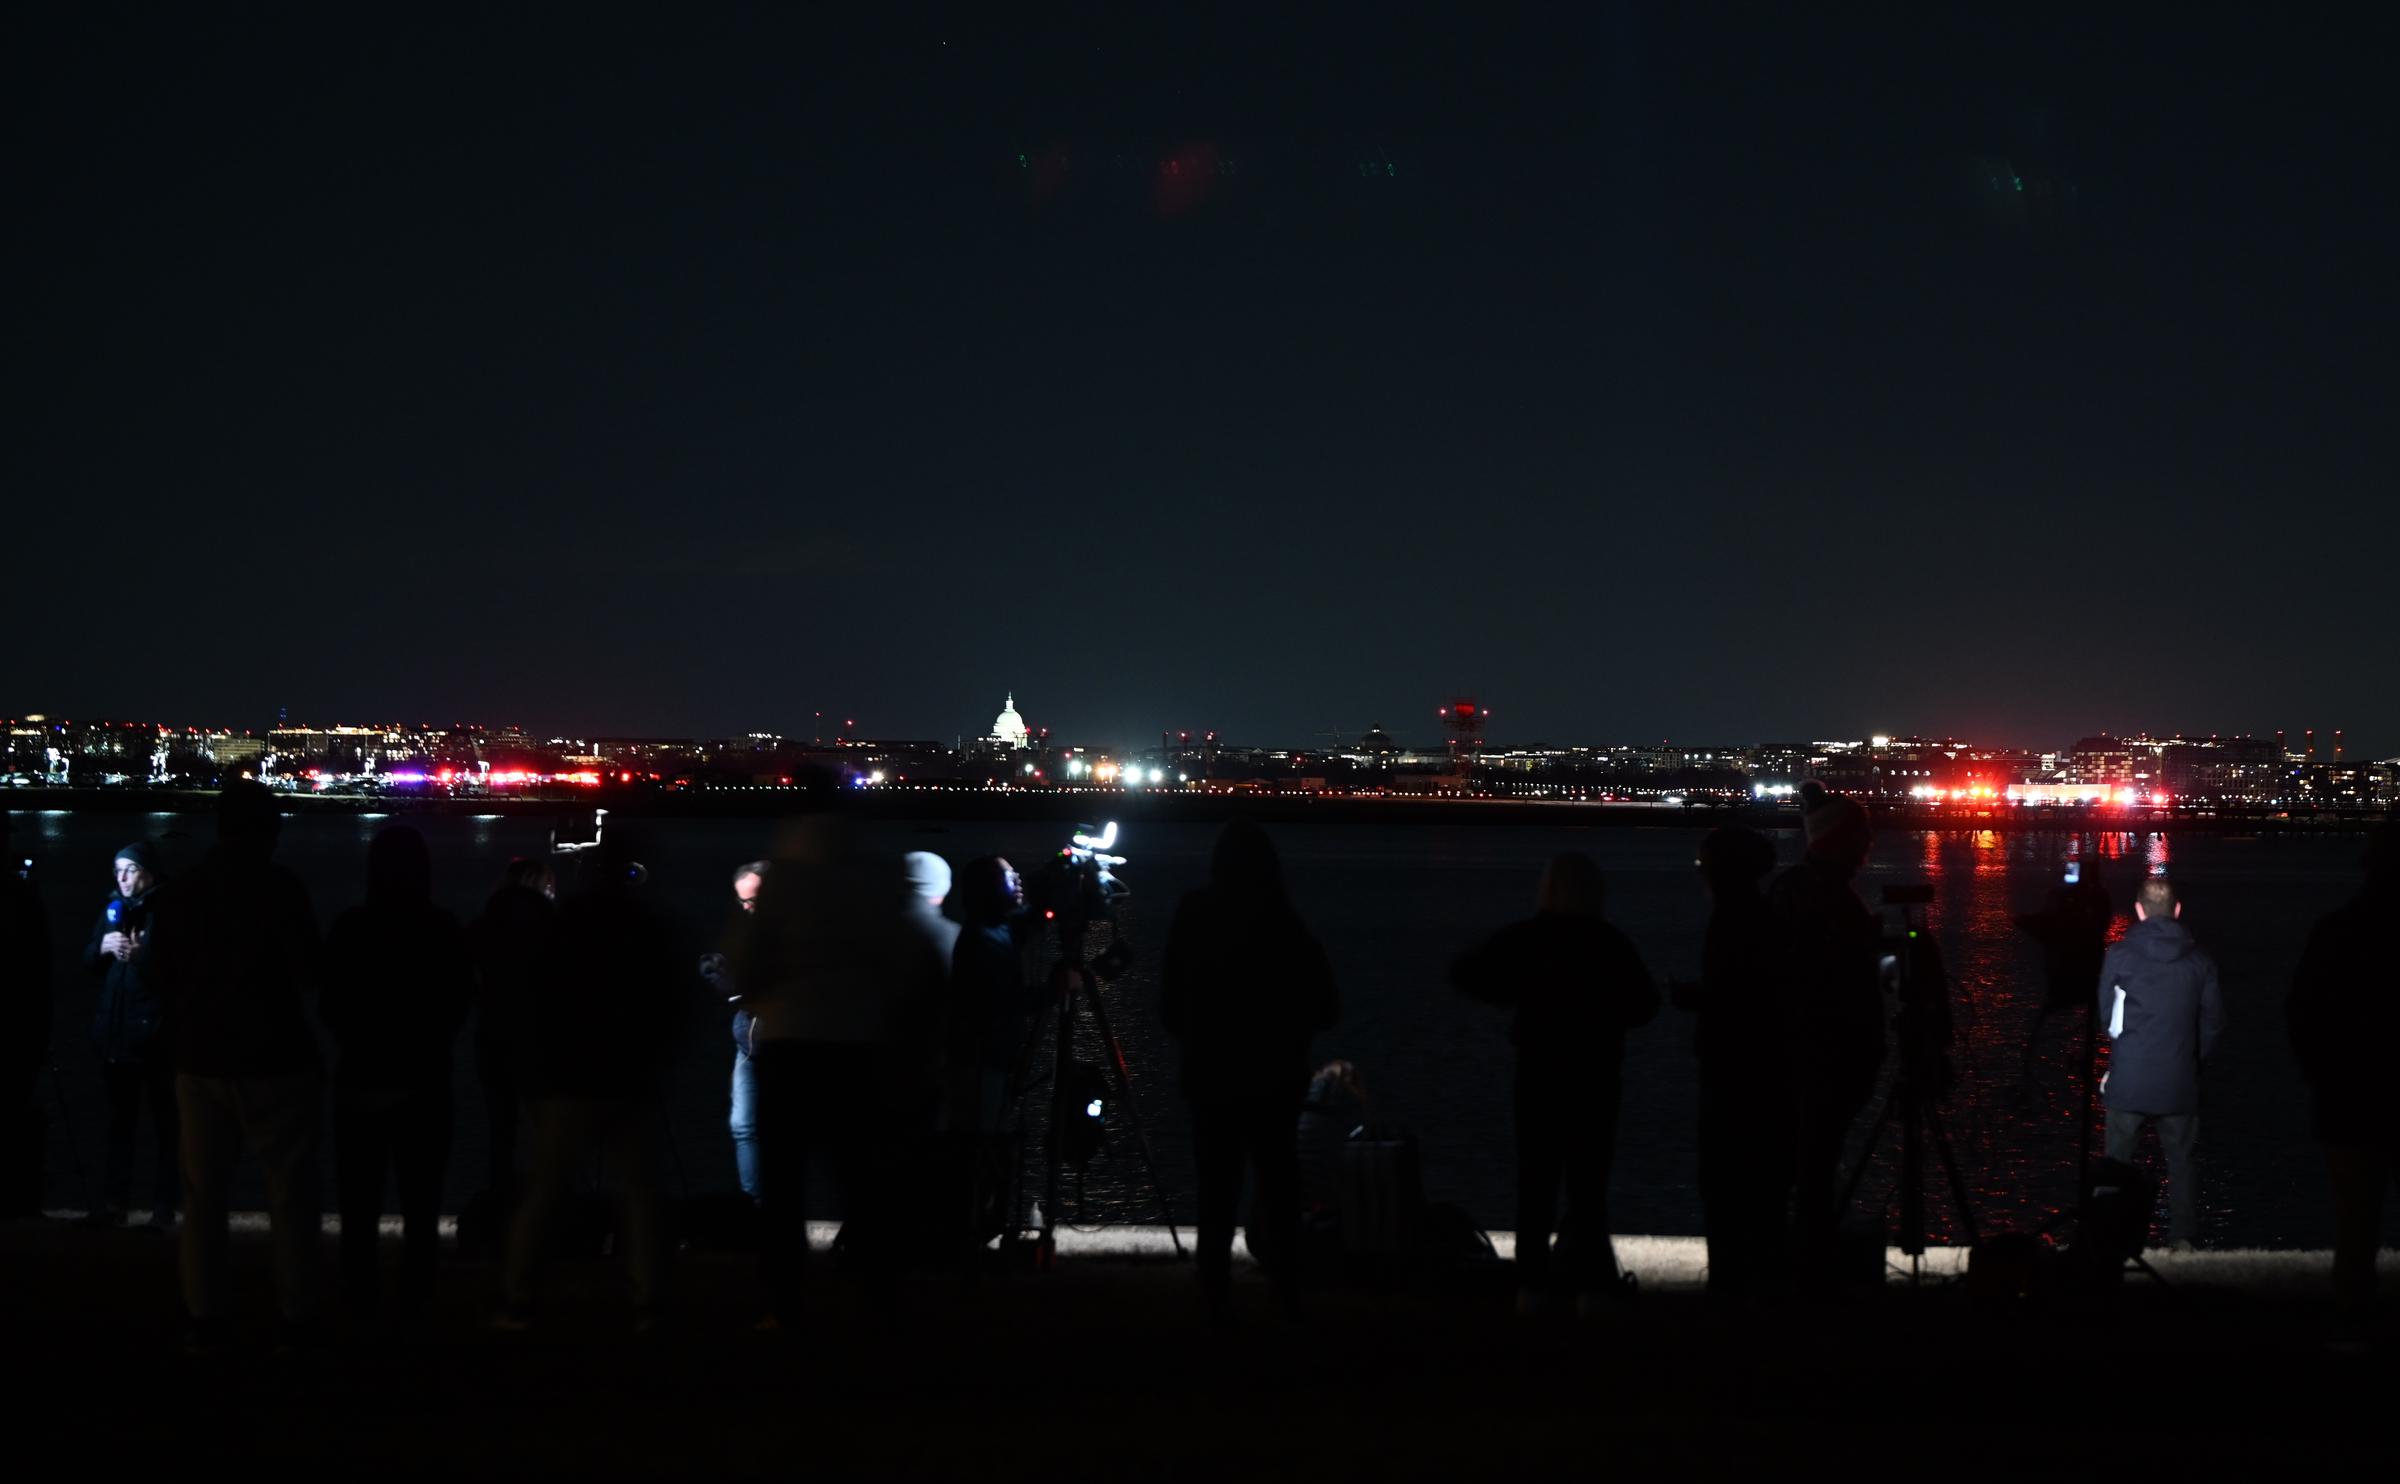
(742, 1122)
(281, 1117)
(1745, 1184)
(1564, 1135)
(1831, 1097)
(2361, 1174)
(561, 1132)
(128, 1082)
(405, 1133)
(2179, 1136)
(1265, 1133)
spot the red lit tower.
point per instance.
(1464, 718)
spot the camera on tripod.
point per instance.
(1915, 977)
(1078, 887)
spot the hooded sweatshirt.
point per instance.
(2171, 1018)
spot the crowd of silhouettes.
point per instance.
(886, 1010)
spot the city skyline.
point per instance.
(1648, 372)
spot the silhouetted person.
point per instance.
(741, 1107)
(1244, 987)
(605, 1012)
(1577, 986)
(1833, 1009)
(2072, 928)
(1747, 1086)
(236, 952)
(2344, 1013)
(843, 990)
(398, 981)
(989, 1002)
(129, 1036)
(511, 942)
(24, 1033)
(2163, 1013)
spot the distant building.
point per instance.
(1008, 729)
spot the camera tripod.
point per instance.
(1911, 1105)
(1075, 993)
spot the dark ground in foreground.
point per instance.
(1101, 1370)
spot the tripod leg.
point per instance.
(1958, 1186)
(1866, 1156)
(1133, 1112)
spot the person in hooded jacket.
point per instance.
(1746, 1079)
(129, 1035)
(512, 942)
(398, 981)
(1244, 988)
(2344, 1015)
(1577, 987)
(2163, 1013)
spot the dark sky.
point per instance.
(1647, 372)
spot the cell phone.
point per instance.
(25, 868)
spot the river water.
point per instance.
(1393, 903)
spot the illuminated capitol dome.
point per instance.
(1009, 729)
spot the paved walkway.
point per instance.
(1100, 1369)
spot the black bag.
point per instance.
(1381, 1196)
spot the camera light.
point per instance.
(1092, 1108)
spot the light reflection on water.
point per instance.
(1394, 904)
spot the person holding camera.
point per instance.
(1577, 986)
(128, 1033)
(2164, 1014)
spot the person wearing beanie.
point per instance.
(1746, 1085)
(128, 1033)
(2344, 1015)
(1833, 1010)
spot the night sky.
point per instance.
(1649, 373)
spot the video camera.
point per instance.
(1078, 887)
(1913, 973)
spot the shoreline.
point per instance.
(1176, 807)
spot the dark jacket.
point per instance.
(398, 980)
(128, 1021)
(1832, 994)
(1738, 1031)
(1244, 987)
(2173, 1016)
(2344, 1014)
(990, 1001)
(235, 952)
(605, 1014)
(1577, 986)
(511, 944)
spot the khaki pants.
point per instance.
(280, 1117)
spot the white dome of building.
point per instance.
(1009, 729)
